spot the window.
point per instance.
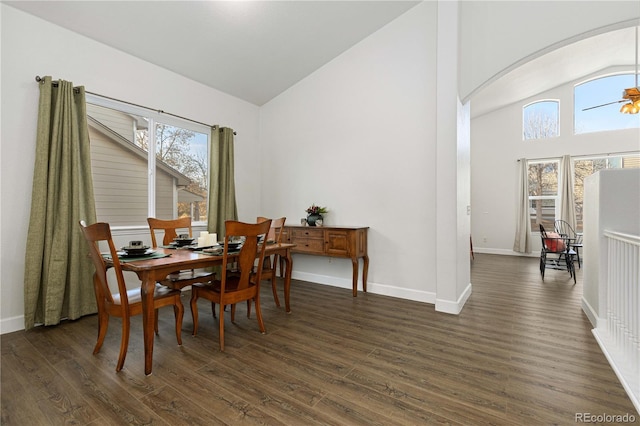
(601, 91)
(540, 120)
(128, 146)
(586, 167)
(543, 194)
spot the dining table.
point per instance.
(154, 269)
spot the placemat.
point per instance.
(134, 258)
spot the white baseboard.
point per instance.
(626, 372)
(449, 307)
(590, 313)
(382, 289)
(504, 252)
(323, 279)
(9, 325)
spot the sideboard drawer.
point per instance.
(309, 245)
(308, 232)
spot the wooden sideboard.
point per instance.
(333, 241)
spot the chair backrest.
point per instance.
(552, 242)
(170, 228)
(275, 230)
(563, 228)
(94, 234)
(249, 252)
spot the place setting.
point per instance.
(218, 248)
(136, 250)
(184, 241)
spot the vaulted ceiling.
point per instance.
(255, 50)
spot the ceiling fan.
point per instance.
(631, 95)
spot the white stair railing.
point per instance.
(619, 334)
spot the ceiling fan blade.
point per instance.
(610, 103)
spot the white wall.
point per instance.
(30, 47)
(612, 203)
(497, 145)
(358, 136)
(453, 273)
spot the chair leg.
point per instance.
(221, 329)
(273, 289)
(194, 310)
(213, 309)
(248, 308)
(155, 323)
(178, 311)
(233, 313)
(124, 343)
(263, 330)
(103, 325)
(276, 260)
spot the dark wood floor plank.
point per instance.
(107, 396)
(28, 369)
(520, 353)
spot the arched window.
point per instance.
(602, 91)
(540, 120)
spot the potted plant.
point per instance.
(315, 213)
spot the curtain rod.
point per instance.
(159, 111)
(608, 154)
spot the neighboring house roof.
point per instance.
(186, 196)
(182, 180)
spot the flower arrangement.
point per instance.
(316, 210)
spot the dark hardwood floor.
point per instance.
(520, 353)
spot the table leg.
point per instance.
(365, 272)
(287, 279)
(148, 319)
(354, 262)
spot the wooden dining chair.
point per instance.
(235, 286)
(180, 279)
(124, 303)
(270, 262)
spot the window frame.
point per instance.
(608, 159)
(555, 198)
(614, 105)
(524, 115)
(154, 118)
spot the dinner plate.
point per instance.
(130, 253)
(213, 250)
(180, 242)
(135, 251)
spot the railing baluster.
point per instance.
(622, 314)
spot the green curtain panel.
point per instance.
(222, 187)
(58, 280)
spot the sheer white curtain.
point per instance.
(567, 201)
(522, 242)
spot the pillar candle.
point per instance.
(202, 241)
(204, 234)
(213, 239)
